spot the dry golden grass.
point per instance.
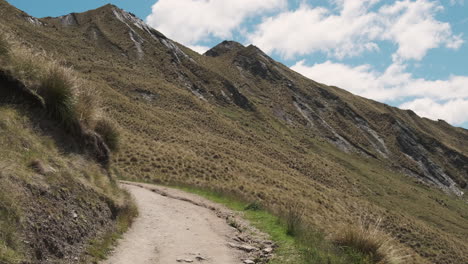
(87, 103)
(57, 88)
(294, 218)
(28, 158)
(176, 138)
(36, 152)
(4, 46)
(366, 237)
(109, 132)
(69, 99)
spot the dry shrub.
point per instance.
(109, 133)
(366, 237)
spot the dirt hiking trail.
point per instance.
(178, 227)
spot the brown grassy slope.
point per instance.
(264, 149)
(51, 204)
(54, 198)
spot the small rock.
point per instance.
(248, 261)
(184, 260)
(232, 245)
(247, 248)
(267, 250)
(240, 238)
(199, 258)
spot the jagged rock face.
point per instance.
(257, 63)
(413, 146)
(239, 98)
(69, 20)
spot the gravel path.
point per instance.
(173, 227)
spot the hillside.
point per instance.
(236, 121)
(58, 200)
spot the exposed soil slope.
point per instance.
(175, 227)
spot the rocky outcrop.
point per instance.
(238, 98)
(414, 148)
(257, 63)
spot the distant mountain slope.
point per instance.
(237, 121)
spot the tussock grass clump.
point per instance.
(57, 88)
(68, 99)
(87, 103)
(254, 206)
(293, 215)
(366, 237)
(26, 65)
(109, 132)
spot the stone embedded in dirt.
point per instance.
(232, 245)
(267, 250)
(246, 248)
(240, 238)
(248, 261)
(199, 258)
(184, 260)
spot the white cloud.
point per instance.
(190, 21)
(346, 28)
(457, 2)
(439, 99)
(453, 111)
(412, 25)
(307, 30)
(355, 29)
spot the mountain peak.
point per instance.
(223, 48)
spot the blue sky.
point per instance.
(408, 53)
